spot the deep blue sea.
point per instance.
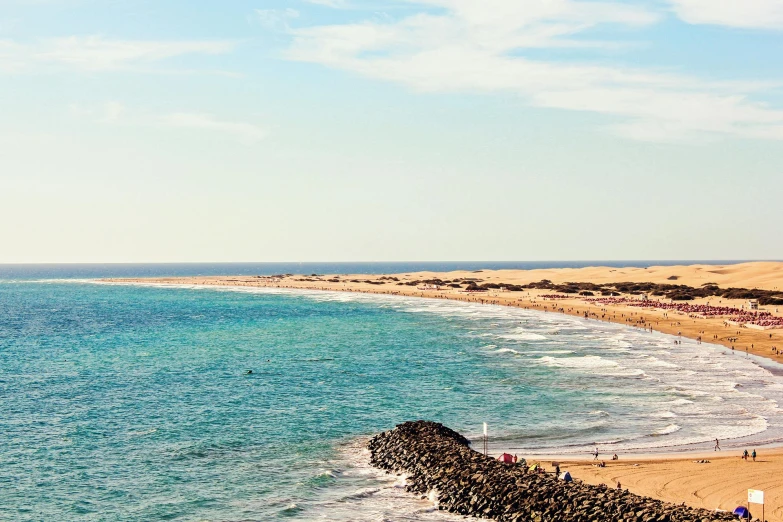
(133, 403)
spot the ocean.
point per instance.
(134, 402)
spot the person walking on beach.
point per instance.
(753, 455)
(717, 445)
(595, 453)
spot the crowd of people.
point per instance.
(765, 321)
(736, 315)
(613, 300)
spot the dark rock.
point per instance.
(435, 457)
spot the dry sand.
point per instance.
(720, 484)
(723, 483)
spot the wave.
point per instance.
(379, 497)
(671, 428)
(664, 414)
(51, 281)
(585, 362)
(523, 336)
(548, 352)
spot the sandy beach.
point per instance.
(720, 484)
(754, 275)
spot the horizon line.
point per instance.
(692, 261)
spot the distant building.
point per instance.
(753, 304)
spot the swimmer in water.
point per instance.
(249, 372)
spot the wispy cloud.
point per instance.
(481, 47)
(96, 53)
(11, 57)
(246, 132)
(108, 112)
(335, 4)
(114, 112)
(276, 18)
(765, 14)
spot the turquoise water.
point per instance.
(133, 403)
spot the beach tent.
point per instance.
(742, 512)
(566, 476)
(508, 459)
(533, 467)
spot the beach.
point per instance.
(753, 275)
(720, 484)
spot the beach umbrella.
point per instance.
(742, 512)
(508, 459)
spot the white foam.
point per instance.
(506, 350)
(586, 362)
(548, 352)
(382, 499)
(523, 336)
(671, 428)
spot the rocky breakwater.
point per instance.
(436, 458)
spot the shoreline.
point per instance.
(671, 476)
(437, 458)
(713, 330)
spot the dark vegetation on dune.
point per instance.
(670, 291)
(467, 482)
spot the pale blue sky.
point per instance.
(332, 130)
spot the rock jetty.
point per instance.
(436, 458)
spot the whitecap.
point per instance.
(671, 428)
(585, 362)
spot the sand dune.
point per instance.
(761, 275)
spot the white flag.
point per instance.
(755, 496)
(485, 429)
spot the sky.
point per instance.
(410, 130)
